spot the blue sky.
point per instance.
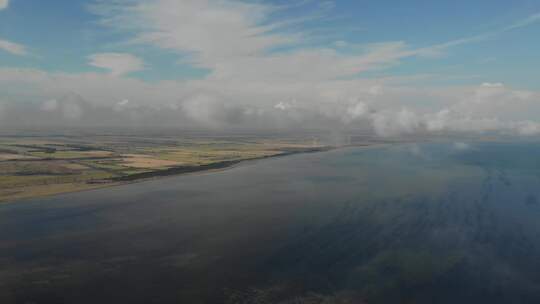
(194, 47)
(61, 34)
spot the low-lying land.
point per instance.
(32, 166)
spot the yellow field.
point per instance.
(146, 161)
(10, 156)
(72, 154)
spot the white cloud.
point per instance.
(4, 4)
(123, 102)
(253, 83)
(121, 105)
(338, 104)
(439, 49)
(391, 123)
(49, 105)
(524, 22)
(12, 47)
(213, 31)
(117, 63)
(203, 109)
(283, 106)
(237, 39)
(356, 111)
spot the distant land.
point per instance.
(35, 165)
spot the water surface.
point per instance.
(430, 223)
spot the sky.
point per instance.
(391, 67)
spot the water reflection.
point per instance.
(431, 223)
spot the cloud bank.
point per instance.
(384, 107)
(261, 76)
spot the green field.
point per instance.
(45, 165)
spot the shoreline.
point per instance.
(172, 172)
(221, 165)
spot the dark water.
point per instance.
(431, 223)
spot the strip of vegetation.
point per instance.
(205, 167)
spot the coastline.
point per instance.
(180, 170)
(170, 172)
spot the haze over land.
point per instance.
(381, 67)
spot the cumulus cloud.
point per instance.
(117, 63)
(12, 47)
(261, 75)
(356, 111)
(121, 105)
(202, 108)
(489, 106)
(332, 105)
(283, 106)
(390, 123)
(4, 4)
